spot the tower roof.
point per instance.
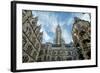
(58, 27)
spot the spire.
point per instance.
(58, 34)
(58, 28)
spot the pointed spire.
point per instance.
(58, 27)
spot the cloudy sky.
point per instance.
(49, 21)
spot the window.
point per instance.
(41, 52)
(48, 58)
(33, 39)
(37, 46)
(39, 59)
(25, 58)
(34, 54)
(69, 52)
(29, 49)
(24, 41)
(69, 58)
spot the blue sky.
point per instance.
(49, 21)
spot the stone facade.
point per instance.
(31, 37)
(58, 51)
(82, 38)
(54, 52)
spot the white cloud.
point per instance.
(46, 37)
(66, 36)
(47, 19)
(85, 16)
(70, 21)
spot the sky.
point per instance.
(50, 19)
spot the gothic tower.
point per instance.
(58, 35)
